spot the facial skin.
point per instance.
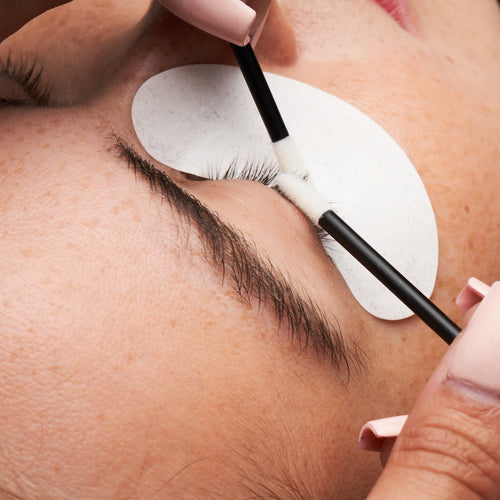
(129, 367)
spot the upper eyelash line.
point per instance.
(264, 171)
(28, 75)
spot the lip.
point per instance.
(399, 11)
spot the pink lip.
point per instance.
(398, 10)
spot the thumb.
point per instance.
(449, 446)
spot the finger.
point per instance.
(450, 444)
(470, 297)
(374, 433)
(386, 449)
(232, 20)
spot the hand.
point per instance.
(450, 444)
(235, 21)
(15, 14)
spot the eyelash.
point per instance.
(28, 75)
(264, 171)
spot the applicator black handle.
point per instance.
(260, 91)
(334, 225)
(389, 276)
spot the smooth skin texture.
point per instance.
(127, 370)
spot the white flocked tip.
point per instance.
(303, 195)
(289, 157)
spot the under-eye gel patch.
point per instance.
(193, 116)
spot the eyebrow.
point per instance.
(252, 275)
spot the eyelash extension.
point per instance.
(28, 75)
(263, 171)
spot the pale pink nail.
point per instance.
(261, 7)
(473, 292)
(231, 20)
(475, 359)
(373, 433)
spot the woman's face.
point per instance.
(133, 365)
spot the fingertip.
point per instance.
(231, 20)
(386, 449)
(375, 432)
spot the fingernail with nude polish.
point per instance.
(475, 358)
(236, 21)
(231, 20)
(473, 292)
(375, 432)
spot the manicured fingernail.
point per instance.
(373, 433)
(475, 359)
(473, 292)
(231, 20)
(261, 8)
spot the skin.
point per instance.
(127, 370)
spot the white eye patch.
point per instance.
(194, 116)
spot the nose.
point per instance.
(277, 44)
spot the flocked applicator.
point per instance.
(311, 203)
(317, 209)
(283, 145)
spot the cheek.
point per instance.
(447, 125)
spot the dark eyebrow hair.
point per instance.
(252, 275)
